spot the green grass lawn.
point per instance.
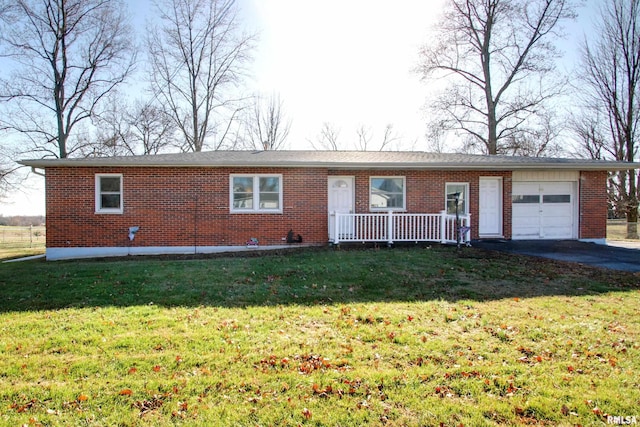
(401, 337)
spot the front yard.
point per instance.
(414, 336)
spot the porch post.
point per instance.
(390, 228)
(443, 226)
(335, 228)
(468, 233)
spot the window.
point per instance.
(556, 198)
(525, 198)
(461, 192)
(387, 193)
(256, 193)
(109, 193)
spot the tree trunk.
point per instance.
(492, 122)
(632, 208)
(62, 135)
(492, 141)
(632, 223)
(62, 144)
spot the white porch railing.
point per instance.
(393, 227)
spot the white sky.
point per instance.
(345, 62)
(349, 63)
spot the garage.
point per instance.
(544, 209)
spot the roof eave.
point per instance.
(498, 166)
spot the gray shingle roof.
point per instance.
(336, 160)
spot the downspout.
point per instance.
(33, 170)
(195, 225)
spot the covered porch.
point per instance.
(391, 227)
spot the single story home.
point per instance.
(226, 200)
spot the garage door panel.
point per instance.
(557, 227)
(527, 212)
(528, 225)
(556, 221)
(556, 233)
(557, 212)
(543, 210)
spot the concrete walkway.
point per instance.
(27, 258)
(629, 244)
(618, 255)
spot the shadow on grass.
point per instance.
(304, 277)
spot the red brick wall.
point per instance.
(507, 186)
(180, 207)
(190, 206)
(593, 205)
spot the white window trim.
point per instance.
(404, 194)
(98, 194)
(256, 193)
(466, 190)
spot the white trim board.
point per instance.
(546, 175)
(56, 254)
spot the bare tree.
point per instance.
(8, 168)
(611, 73)
(197, 56)
(128, 129)
(67, 55)
(111, 133)
(538, 138)
(436, 136)
(496, 54)
(365, 138)
(389, 136)
(151, 128)
(327, 139)
(267, 124)
(587, 129)
(139, 129)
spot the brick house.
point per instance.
(230, 200)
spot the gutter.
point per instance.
(34, 171)
(608, 166)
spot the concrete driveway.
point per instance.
(613, 256)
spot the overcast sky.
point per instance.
(346, 62)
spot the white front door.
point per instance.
(490, 209)
(340, 199)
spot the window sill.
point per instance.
(241, 212)
(114, 212)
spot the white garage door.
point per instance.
(543, 210)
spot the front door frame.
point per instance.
(331, 207)
(498, 208)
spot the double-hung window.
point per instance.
(459, 191)
(387, 193)
(109, 193)
(256, 193)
